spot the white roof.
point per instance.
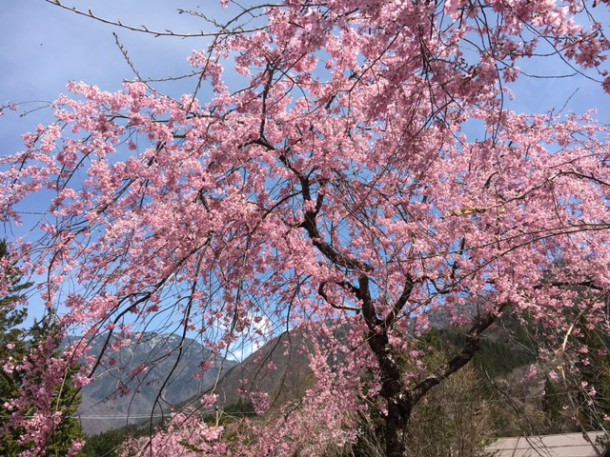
(565, 445)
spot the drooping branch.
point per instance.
(324, 295)
(465, 355)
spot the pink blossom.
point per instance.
(336, 187)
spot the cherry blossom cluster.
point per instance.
(341, 184)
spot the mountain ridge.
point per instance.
(144, 379)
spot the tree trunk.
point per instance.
(398, 399)
(396, 422)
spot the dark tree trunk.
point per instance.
(400, 399)
(399, 404)
(395, 425)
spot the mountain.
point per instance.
(122, 393)
(501, 353)
(280, 368)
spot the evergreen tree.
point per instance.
(13, 347)
(16, 342)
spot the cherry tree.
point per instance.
(367, 175)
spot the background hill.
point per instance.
(494, 396)
(121, 395)
(287, 379)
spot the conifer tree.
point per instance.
(12, 345)
(17, 353)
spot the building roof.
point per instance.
(564, 445)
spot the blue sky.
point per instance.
(43, 47)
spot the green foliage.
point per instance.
(232, 413)
(13, 346)
(552, 405)
(67, 396)
(15, 343)
(243, 408)
(498, 356)
(12, 336)
(456, 419)
(596, 374)
(106, 444)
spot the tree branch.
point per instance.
(458, 361)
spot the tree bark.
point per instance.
(396, 423)
(399, 404)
